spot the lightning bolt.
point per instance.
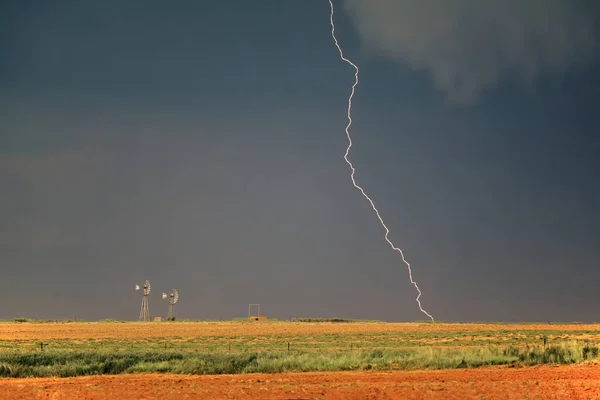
(387, 231)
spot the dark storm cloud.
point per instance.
(469, 46)
(201, 145)
(44, 180)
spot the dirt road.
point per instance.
(547, 382)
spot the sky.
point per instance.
(200, 145)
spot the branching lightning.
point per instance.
(387, 231)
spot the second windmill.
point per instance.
(173, 297)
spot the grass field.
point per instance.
(76, 349)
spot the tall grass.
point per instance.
(289, 351)
(69, 364)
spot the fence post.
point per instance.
(288, 347)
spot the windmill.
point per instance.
(144, 311)
(173, 299)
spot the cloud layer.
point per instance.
(469, 45)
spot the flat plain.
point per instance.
(84, 330)
(278, 360)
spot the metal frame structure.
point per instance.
(145, 311)
(257, 311)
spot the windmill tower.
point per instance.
(144, 311)
(173, 299)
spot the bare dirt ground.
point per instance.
(25, 331)
(547, 382)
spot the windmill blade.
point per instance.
(148, 283)
(175, 296)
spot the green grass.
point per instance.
(307, 352)
(77, 363)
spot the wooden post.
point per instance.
(41, 346)
(288, 347)
(230, 347)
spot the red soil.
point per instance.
(546, 382)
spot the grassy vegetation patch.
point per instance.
(68, 364)
(272, 353)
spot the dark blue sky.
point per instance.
(199, 145)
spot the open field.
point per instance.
(263, 359)
(75, 349)
(85, 330)
(556, 382)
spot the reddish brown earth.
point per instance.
(546, 382)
